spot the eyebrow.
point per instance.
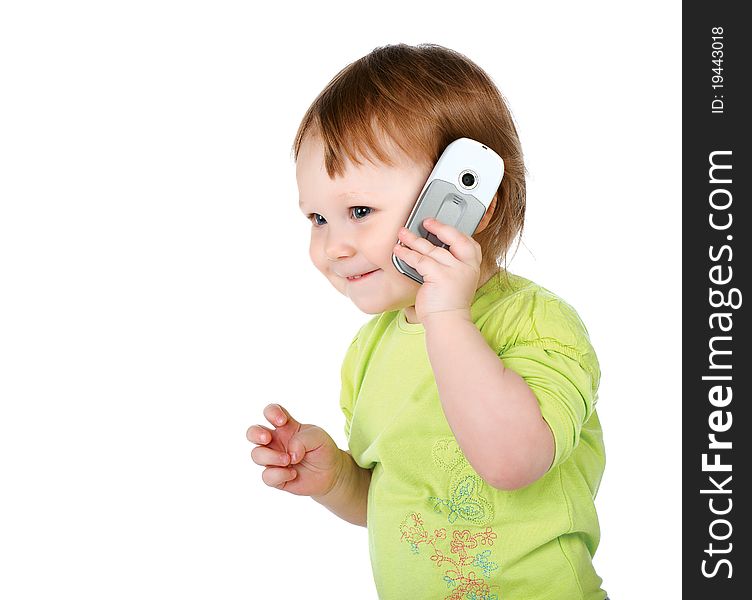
(359, 196)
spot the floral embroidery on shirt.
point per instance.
(464, 583)
(465, 486)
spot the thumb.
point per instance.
(305, 440)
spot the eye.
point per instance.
(358, 212)
(314, 218)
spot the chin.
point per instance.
(374, 306)
(383, 299)
(370, 306)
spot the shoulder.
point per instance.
(368, 333)
(531, 315)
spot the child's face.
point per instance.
(355, 220)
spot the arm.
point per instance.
(491, 410)
(348, 498)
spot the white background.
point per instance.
(157, 293)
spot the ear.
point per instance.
(487, 217)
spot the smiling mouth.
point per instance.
(362, 276)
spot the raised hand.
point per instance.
(300, 459)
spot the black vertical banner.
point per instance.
(716, 301)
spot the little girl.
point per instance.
(475, 451)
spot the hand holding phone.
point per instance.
(458, 192)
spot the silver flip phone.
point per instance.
(458, 192)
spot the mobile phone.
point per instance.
(458, 192)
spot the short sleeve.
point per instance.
(347, 391)
(551, 351)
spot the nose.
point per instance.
(338, 245)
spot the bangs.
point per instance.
(367, 137)
(369, 113)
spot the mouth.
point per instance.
(362, 276)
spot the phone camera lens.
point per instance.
(468, 179)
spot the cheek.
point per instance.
(382, 242)
(315, 254)
(320, 261)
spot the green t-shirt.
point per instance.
(435, 528)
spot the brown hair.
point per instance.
(423, 97)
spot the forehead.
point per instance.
(359, 180)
